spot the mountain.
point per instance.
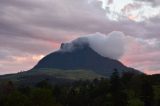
(78, 55)
(73, 61)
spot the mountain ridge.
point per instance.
(73, 61)
(79, 55)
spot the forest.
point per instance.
(128, 89)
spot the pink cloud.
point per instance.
(19, 63)
(110, 2)
(131, 6)
(142, 56)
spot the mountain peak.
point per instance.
(77, 55)
(79, 43)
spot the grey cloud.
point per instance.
(154, 2)
(87, 19)
(31, 26)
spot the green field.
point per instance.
(42, 74)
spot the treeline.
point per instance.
(126, 90)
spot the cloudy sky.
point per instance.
(30, 29)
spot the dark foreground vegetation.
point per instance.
(127, 90)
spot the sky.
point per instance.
(30, 29)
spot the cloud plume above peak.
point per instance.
(112, 45)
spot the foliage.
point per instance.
(120, 90)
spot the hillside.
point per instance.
(54, 76)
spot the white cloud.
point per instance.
(130, 9)
(111, 45)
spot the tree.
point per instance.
(157, 95)
(44, 84)
(147, 94)
(42, 97)
(135, 102)
(119, 98)
(8, 88)
(16, 99)
(126, 79)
